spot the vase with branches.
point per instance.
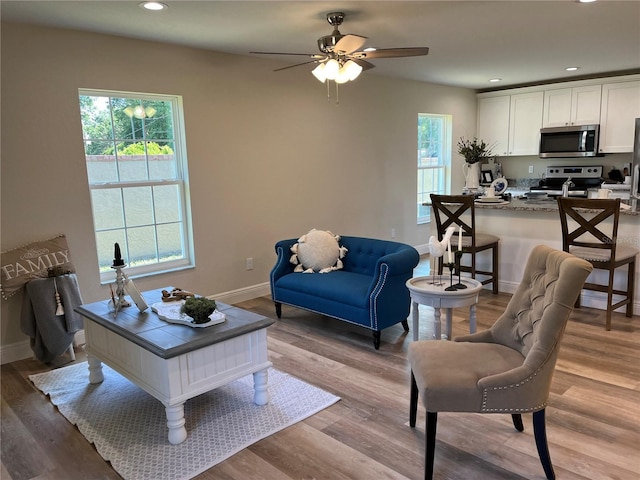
(474, 150)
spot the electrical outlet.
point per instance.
(249, 263)
(530, 168)
(393, 233)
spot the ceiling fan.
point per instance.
(341, 59)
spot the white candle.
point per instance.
(460, 239)
(449, 251)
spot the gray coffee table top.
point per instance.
(169, 340)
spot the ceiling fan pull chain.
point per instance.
(337, 94)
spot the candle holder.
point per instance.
(117, 300)
(459, 285)
(451, 286)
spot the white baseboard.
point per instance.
(422, 249)
(243, 294)
(14, 352)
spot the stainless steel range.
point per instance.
(580, 178)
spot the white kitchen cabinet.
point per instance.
(493, 123)
(620, 107)
(572, 106)
(511, 123)
(525, 121)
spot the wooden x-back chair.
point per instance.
(449, 211)
(595, 239)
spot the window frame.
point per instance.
(181, 180)
(443, 166)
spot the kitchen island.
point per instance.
(521, 225)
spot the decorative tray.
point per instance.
(170, 312)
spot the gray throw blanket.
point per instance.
(50, 335)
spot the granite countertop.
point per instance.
(550, 205)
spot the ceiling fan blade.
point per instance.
(393, 52)
(296, 65)
(310, 55)
(363, 63)
(349, 43)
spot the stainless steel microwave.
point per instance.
(571, 141)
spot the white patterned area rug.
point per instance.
(129, 428)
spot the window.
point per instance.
(137, 172)
(434, 158)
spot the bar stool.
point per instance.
(595, 239)
(449, 210)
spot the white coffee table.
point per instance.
(428, 291)
(172, 362)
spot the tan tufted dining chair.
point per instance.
(507, 368)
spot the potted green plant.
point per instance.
(199, 308)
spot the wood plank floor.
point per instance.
(593, 418)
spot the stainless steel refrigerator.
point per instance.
(635, 165)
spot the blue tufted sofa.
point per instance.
(369, 290)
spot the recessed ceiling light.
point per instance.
(586, 1)
(571, 69)
(494, 80)
(369, 49)
(156, 6)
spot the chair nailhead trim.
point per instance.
(514, 385)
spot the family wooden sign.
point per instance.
(33, 261)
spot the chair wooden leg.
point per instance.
(495, 269)
(540, 434)
(430, 444)
(405, 325)
(278, 309)
(631, 271)
(517, 421)
(609, 298)
(413, 402)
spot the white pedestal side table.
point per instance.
(428, 291)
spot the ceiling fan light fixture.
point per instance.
(331, 69)
(352, 69)
(319, 72)
(342, 76)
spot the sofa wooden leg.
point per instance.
(405, 325)
(376, 339)
(278, 309)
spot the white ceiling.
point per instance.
(522, 42)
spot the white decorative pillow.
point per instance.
(317, 251)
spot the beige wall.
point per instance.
(269, 157)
